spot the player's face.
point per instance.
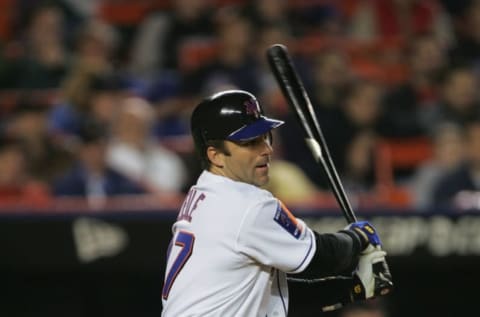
(249, 162)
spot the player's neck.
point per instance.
(218, 171)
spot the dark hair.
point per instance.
(219, 145)
(450, 72)
(105, 82)
(91, 131)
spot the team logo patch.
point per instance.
(251, 108)
(288, 222)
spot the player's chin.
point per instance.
(262, 178)
(262, 181)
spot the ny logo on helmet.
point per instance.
(252, 108)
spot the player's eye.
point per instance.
(249, 143)
(257, 141)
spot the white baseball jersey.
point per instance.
(232, 246)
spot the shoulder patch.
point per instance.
(287, 221)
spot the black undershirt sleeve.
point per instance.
(329, 273)
(336, 254)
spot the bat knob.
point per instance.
(383, 279)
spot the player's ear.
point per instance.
(216, 156)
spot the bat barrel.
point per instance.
(298, 99)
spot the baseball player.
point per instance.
(234, 243)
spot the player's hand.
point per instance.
(378, 272)
(365, 280)
(367, 233)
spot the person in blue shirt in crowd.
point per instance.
(90, 177)
(459, 188)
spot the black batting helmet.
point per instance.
(233, 115)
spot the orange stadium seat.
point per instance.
(389, 74)
(367, 69)
(7, 8)
(9, 99)
(228, 2)
(306, 3)
(315, 42)
(196, 52)
(128, 12)
(395, 154)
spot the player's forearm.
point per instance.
(336, 253)
(330, 294)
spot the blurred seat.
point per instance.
(400, 154)
(218, 3)
(180, 144)
(128, 12)
(314, 42)
(196, 52)
(389, 74)
(9, 99)
(380, 59)
(7, 12)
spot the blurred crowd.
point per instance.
(95, 96)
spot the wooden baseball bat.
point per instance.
(297, 97)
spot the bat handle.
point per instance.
(383, 278)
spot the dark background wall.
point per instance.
(111, 264)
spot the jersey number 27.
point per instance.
(185, 241)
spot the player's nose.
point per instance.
(267, 148)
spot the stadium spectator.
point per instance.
(134, 153)
(46, 158)
(466, 50)
(459, 188)
(408, 105)
(353, 145)
(270, 93)
(172, 111)
(361, 111)
(4, 67)
(231, 65)
(162, 35)
(193, 47)
(16, 184)
(95, 46)
(106, 93)
(190, 21)
(314, 18)
(448, 153)
(91, 177)
(42, 60)
(331, 77)
(459, 101)
(234, 65)
(264, 13)
(378, 19)
(359, 170)
(331, 80)
(86, 95)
